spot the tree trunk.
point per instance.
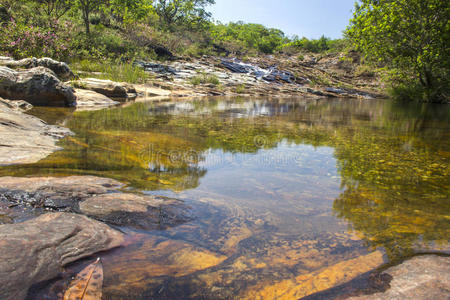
(86, 21)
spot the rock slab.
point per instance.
(106, 87)
(90, 100)
(36, 250)
(25, 138)
(420, 278)
(98, 198)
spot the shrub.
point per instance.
(204, 79)
(20, 40)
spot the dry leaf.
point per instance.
(87, 285)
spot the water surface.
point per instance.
(282, 190)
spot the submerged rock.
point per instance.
(99, 198)
(38, 86)
(138, 211)
(61, 69)
(420, 278)
(36, 250)
(25, 138)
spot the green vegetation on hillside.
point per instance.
(113, 29)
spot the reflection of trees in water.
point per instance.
(397, 196)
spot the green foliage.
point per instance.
(411, 37)
(182, 11)
(87, 7)
(249, 36)
(205, 79)
(55, 9)
(323, 44)
(129, 11)
(240, 89)
(20, 40)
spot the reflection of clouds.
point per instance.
(231, 109)
(284, 158)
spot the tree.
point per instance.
(129, 11)
(55, 8)
(410, 37)
(174, 11)
(87, 6)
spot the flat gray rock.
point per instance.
(90, 100)
(106, 87)
(419, 278)
(25, 138)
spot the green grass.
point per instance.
(115, 71)
(240, 89)
(204, 79)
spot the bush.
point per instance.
(20, 40)
(205, 79)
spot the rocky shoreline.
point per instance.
(48, 223)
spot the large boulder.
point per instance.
(25, 138)
(61, 69)
(419, 278)
(36, 250)
(107, 87)
(38, 86)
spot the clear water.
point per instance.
(288, 194)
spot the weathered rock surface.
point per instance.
(25, 138)
(38, 86)
(61, 69)
(138, 211)
(18, 105)
(106, 87)
(90, 100)
(312, 78)
(420, 278)
(99, 198)
(36, 250)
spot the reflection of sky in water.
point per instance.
(287, 182)
(244, 109)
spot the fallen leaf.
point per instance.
(87, 285)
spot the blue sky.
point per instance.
(309, 18)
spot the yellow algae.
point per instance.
(154, 258)
(77, 142)
(304, 285)
(234, 236)
(192, 260)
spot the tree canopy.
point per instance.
(174, 11)
(411, 38)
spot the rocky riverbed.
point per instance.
(328, 76)
(47, 223)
